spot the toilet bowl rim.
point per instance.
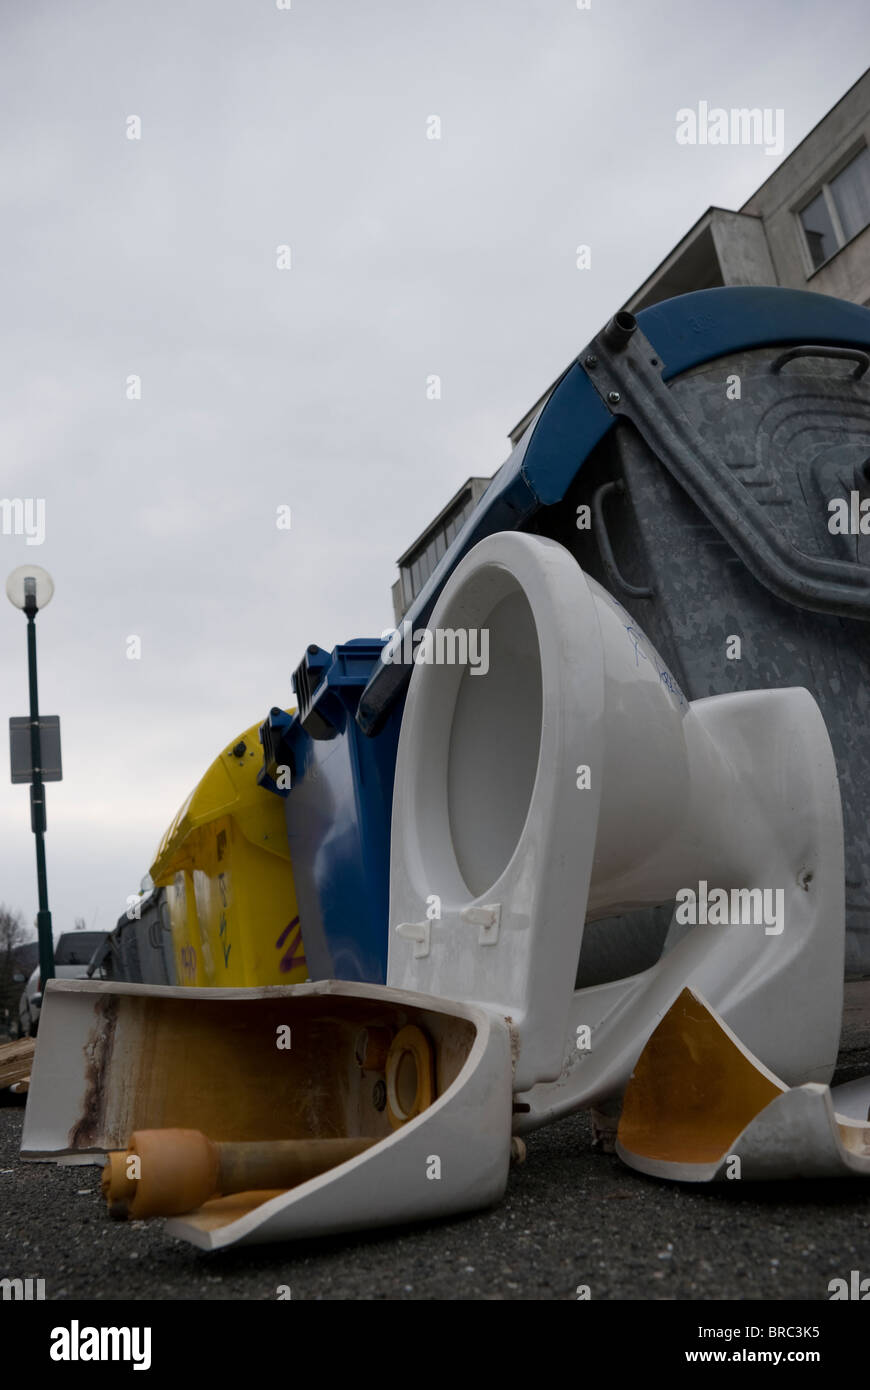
(563, 606)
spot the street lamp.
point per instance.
(30, 588)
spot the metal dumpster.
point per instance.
(140, 947)
(689, 459)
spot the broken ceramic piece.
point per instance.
(701, 1107)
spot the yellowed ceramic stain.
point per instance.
(693, 1090)
(225, 864)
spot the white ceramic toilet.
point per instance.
(572, 780)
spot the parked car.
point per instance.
(72, 956)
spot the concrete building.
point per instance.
(420, 559)
(807, 227)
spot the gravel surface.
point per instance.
(572, 1215)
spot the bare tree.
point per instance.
(12, 933)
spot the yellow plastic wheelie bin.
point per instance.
(225, 865)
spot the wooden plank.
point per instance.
(16, 1060)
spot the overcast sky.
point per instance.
(264, 387)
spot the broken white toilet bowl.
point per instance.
(568, 781)
(574, 781)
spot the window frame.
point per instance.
(823, 187)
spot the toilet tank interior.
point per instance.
(258, 1068)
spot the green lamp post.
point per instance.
(35, 745)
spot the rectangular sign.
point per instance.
(49, 748)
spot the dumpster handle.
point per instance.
(848, 354)
(608, 559)
(636, 391)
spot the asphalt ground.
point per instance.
(571, 1216)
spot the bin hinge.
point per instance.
(486, 917)
(418, 932)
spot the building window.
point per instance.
(417, 572)
(819, 231)
(851, 194)
(839, 211)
